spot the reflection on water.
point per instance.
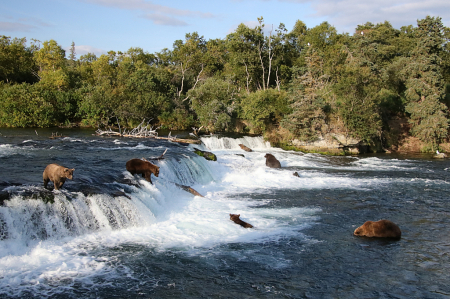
(110, 234)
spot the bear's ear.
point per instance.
(239, 215)
(66, 169)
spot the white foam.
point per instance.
(216, 143)
(9, 150)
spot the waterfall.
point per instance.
(27, 219)
(215, 143)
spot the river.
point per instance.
(108, 234)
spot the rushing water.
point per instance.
(108, 234)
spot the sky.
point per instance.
(98, 26)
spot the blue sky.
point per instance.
(99, 26)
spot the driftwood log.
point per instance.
(143, 131)
(158, 158)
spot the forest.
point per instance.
(299, 84)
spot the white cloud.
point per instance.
(159, 14)
(161, 19)
(345, 15)
(250, 24)
(84, 49)
(16, 27)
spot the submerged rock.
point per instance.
(207, 155)
(440, 155)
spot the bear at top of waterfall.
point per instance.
(271, 161)
(380, 229)
(237, 220)
(57, 174)
(142, 167)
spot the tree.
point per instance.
(189, 57)
(424, 85)
(52, 65)
(263, 107)
(244, 46)
(22, 105)
(214, 102)
(358, 97)
(308, 100)
(73, 53)
(16, 61)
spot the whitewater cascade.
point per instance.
(216, 143)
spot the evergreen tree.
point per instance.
(73, 54)
(424, 85)
(307, 100)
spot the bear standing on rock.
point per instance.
(142, 167)
(271, 161)
(57, 174)
(380, 229)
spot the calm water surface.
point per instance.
(108, 234)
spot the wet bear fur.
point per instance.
(271, 161)
(379, 229)
(142, 167)
(235, 218)
(57, 174)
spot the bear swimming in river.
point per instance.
(380, 229)
(142, 167)
(235, 218)
(57, 174)
(271, 161)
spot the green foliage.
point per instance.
(424, 85)
(308, 101)
(16, 61)
(357, 91)
(264, 106)
(22, 105)
(178, 119)
(52, 65)
(213, 102)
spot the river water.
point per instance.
(108, 234)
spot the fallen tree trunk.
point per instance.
(144, 131)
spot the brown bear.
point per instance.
(235, 218)
(142, 167)
(272, 162)
(380, 229)
(57, 174)
(245, 148)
